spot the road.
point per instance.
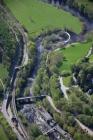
(25, 53)
(8, 118)
(8, 113)
(14, 78)
(13, 104)
(20, 132)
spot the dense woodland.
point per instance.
(7, 49)
(7, 52)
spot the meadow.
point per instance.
(73, 54)
(37, 16)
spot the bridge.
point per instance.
(58, 130)
(29, 99)
(49, 131)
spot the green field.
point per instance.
(2, 134)
(37, 16)
(73, 54)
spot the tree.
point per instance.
(41, 137)
(34, 131)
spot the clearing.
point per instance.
(73, 54)
(37, 16)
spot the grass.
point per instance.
(66, 80)
(2, 134)
(7, 132)
(3, 72)
(91, 59)
(73, 54)
(37, 16)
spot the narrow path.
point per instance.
(74, 79)
(70, 44)
(53, 105)
(89, 52)
(63, 88)
(66, 41)
(84, 128)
